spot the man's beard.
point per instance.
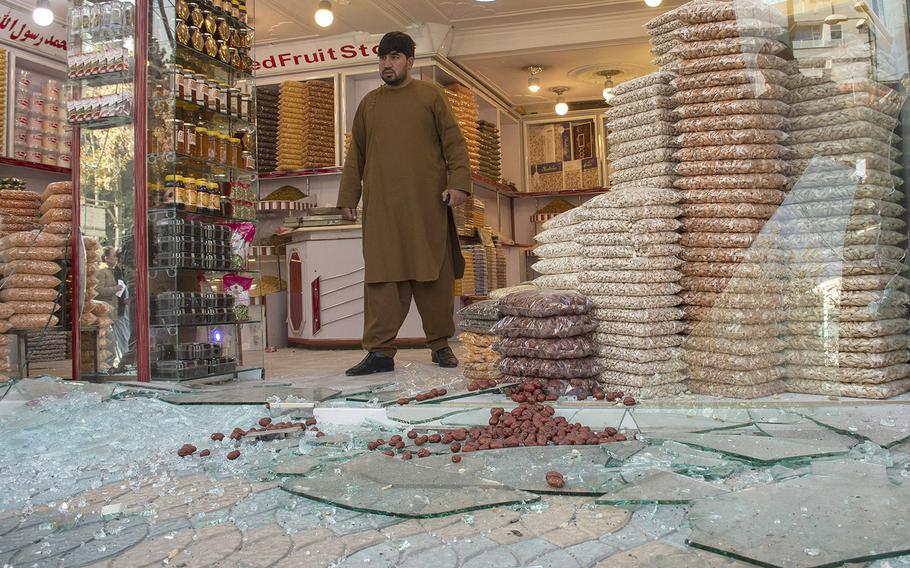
(395, 79)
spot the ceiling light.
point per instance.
(653, 3)
(324, 15)
(533, 81)
(42, 13)
(608, 93)
(562, 107)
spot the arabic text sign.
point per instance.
(18, 30)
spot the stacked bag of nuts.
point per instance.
(44, 346)
(546, 336)
(477, 336)
(57, 213)
(663, 38)
(629, 243)
(731, 113)
(465, 109)
(18, 207)
(560, 256)
(92, 260)
(640, 121)
(30, 286)
(306, 125)
(267, 128)
(842, 230)
(490, 151)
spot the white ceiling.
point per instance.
(496, 41)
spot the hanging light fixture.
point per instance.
(42, 13)
(608, 75)
(653, 3)
(562, 107)
(324, 15)
(533, 81)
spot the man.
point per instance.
(412, 160)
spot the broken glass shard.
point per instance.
(667, 421)
(422, 414)
(805, 430)
(294, 465)
(390, 486)
(251, 395)
(664, 488)
(838, 513)
(619, 452)
(886, 425)
(761, 449)
(584, 468)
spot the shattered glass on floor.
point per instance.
(90, 476)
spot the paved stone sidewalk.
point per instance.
(196, 521)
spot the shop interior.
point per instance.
(682, 328)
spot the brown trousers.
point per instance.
(386, 305)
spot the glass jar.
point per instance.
(246, 107)
(183, 33)
(243, 15)
(178, 82)
(233, 39)
(183, 10)
(246, 139)
(222, 157)
(221, 102)
(233, 102)
(189, 133)
(235, 8)
(234, 59)
(198, 89)
(211, 46)
(196, 17)
(214, 146)
(222, 29)
(208, 21)
(186, 77)
(174, 185)
(192, 195)
(233, 151)
(202, 143)
(247, 160)
(204, 196)
(197, 40)
(180, 137)
(224, 53)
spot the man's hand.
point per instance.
(349, 214)
(454, 197)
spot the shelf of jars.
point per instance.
(201, 190)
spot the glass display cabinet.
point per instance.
(178, 118)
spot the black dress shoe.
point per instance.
(372, 363)
(445, 358)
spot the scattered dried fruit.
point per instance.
(310, 422)
(412, 435)
(619, 437)
(456, 459)
(629, 401)
(320, 434)
(389, 453)
(555, 479)
(217, 436)
(434, 438)
(406, 455)
(186, 450)
(456, 447)
(264, 422)
(233, 455)
(403, 401)
(421, 440)
(423, 453)
(204, 453)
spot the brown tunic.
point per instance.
(407, 149)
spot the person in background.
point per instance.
(409, 162)
(112, 290)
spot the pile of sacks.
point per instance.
(466, 110)
(662, 32)
(56, 208)
(844, 237)
(475, 325)
(267, 128)
(559, 254)
(731, 124)
(640, 121)
(306, 125)
(628, 242)
(30, 286)
(546, 336)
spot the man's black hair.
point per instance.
(397, 41)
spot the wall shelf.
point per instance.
(311, 172)
(33, 166)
